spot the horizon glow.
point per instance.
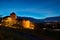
(39, 9)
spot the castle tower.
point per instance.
(13, 17)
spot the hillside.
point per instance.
(15, 34)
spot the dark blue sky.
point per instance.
(30, 8)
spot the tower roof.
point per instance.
(13, 13)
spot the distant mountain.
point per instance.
(52, 19)
(31, 19)
(49, 19)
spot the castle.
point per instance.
(12, 21)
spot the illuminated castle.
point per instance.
(11, 20)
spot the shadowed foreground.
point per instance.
(25, 34)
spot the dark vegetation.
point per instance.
(26, 34)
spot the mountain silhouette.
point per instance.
(52, 19)
(48, 19)
(31, 19)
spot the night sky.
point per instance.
(31, 8)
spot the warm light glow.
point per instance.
(11, 21)
(32, 25)
(0, 24)
(8, 19)
(27, 24)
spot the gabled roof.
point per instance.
(6, 17)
